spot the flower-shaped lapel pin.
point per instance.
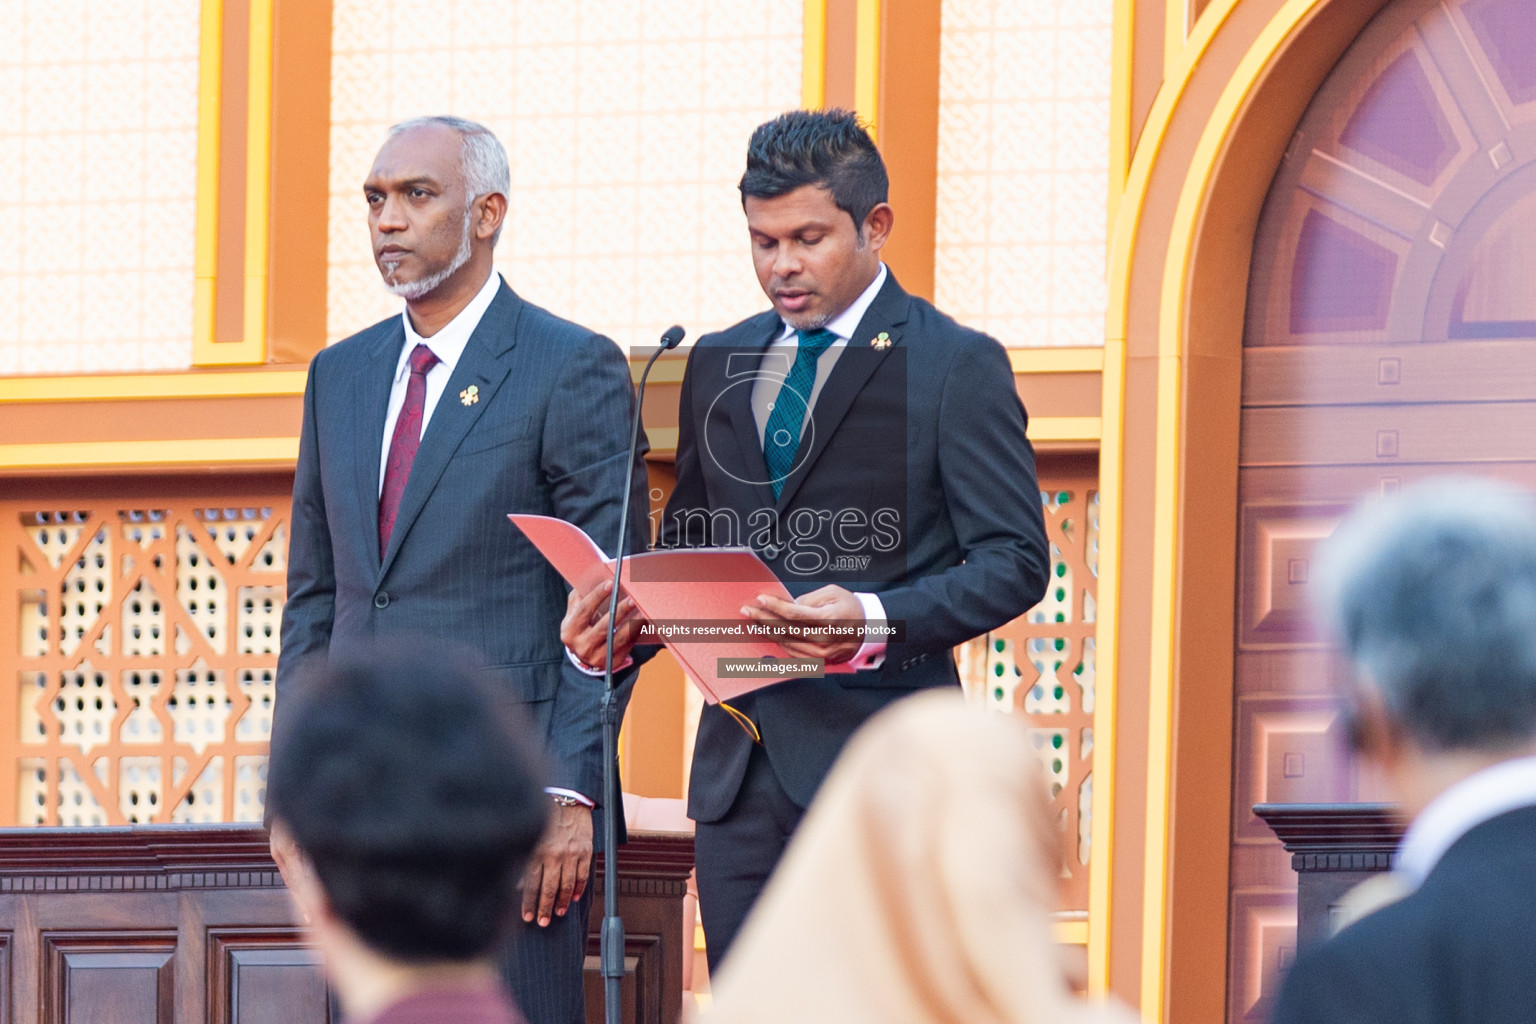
(470, 395)
(881, 341)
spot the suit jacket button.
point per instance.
(771, 551)
(381, 600)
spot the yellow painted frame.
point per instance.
(1172, 316)
(120, 387)
(813, 56)
(199, 453)
(209, 67)
(1111, 365)
(252, 348)
(1056, 360)
(867, 65)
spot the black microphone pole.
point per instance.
(612, 947)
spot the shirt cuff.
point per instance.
(872, 654)
(597, 672)
(579, 798)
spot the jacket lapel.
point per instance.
(858, 361)
(369, 412)
(484, 365)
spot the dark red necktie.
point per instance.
(403, 445)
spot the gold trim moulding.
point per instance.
(149, 386)
(1057, 360)
(1021, 360)
(202, 452)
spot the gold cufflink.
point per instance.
(470, 395)
(882, 341)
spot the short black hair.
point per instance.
(414, 789)
(826, 148)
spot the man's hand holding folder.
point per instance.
(723, 606)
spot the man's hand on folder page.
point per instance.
(584, 630)
(820, 608)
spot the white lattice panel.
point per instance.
(170, 722)
(1042, 666)
(250, 787)
(98, 108)
(1024, 168)
(625, 122)
(201, 804)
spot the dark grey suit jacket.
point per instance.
(1460, 949)
(916, 460)
(547, 434)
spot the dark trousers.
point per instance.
(735, 855)
(542, 967)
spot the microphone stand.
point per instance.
(612, 942)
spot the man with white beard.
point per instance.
(421, 433)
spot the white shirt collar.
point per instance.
(1496, 790)
(845, 323)
(448, 344)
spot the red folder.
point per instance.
(681, 585)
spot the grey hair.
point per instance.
(484, 161)
(1434, 595)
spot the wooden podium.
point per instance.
(1333, 848)
(171, 924)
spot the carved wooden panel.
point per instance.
(99, 922)
(1263, 944)
(653, 879)
(109, 977)
(1390, 337)
(1294, 753)
(1279, 552)
(261, 976)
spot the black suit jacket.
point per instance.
(914, 480)
(547, 433)
(1460, 949)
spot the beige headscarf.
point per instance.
(917, 889)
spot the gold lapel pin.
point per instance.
(470, 395)
(882, 341)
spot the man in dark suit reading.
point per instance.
(873, 452)
(420, 435)
(1434, 597)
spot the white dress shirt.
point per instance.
(448, 345)
(1480, 797)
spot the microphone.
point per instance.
(612, 942)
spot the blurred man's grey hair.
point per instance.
(1433, 593)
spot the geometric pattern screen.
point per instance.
(147, 643)
(1041, 666)
(1023, 170)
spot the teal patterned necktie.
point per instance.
(781, 439)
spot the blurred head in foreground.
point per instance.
(918, 889)
(405, 798)
(1433, 594)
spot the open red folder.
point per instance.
(683, 585)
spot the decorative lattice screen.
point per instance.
(1042, 666)
(146, 642)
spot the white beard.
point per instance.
(411, 290)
